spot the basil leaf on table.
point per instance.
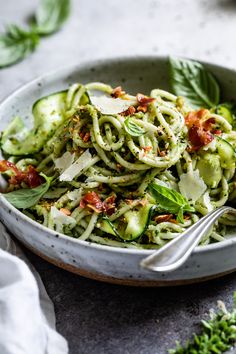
(132, 128)
(191, 80)
(27, 197)
(170, 200)
(51, 15)
(16, 44)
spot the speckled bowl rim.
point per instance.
(93, 63)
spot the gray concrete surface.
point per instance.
(98, 318)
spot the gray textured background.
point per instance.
(98, 318)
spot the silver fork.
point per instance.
(176, 252)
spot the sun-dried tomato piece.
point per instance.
(82, 204)
(129, 112)
(85, 136)
(111, 199)
(199, 131)
(7, 165)
(109, 206)
(144, 100)
(92, 200)
(142, 109)
(163, 218)
(65, 211)
(194, 118)
(217, 132)
(187, 217)
(207, 125)
(31, 177)
(174, 221)
(117, 92)
(198, 137)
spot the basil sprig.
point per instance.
(51, 15)
(26, 198)
(170, 200)
(132, 128)
(18, 43)
(192, 81)
(217, 335)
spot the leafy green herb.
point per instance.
(218, 334)
(132, 128)
(55, 193)
(51, 15)
(16, 44)
(170, 200)
(26, 198)
(191, 80)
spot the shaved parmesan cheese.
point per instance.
(109, 105)
(75, 194)
(206, 201)
(161, 183)
(169, 184)
(191, 185)
(77, 167)
(63, 162)
(60, 219)
(203, 204)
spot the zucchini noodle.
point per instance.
(103, 161)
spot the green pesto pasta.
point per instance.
(126, 170)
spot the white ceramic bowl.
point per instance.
(95, 261)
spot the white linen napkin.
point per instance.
(27, 318)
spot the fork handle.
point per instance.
(176, 252)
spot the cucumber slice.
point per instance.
(226, 153)
(106, 225)
(209, 167)
(225, 110)
(15, 129)
(131, 225)
(48, 114)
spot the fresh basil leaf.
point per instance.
(180, 216)
(55, 193)
(132, 128)
(26, 198)
(51, 15)
(16, 44)
(170, 200)
(192, 81)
